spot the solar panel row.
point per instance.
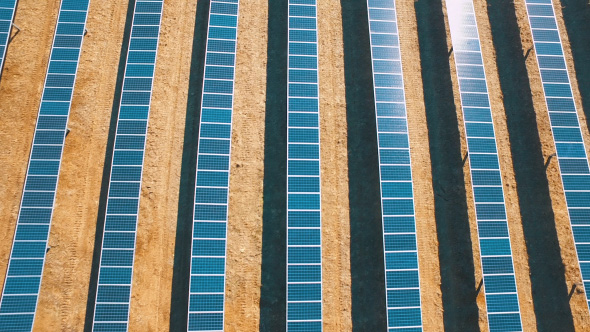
(111, 311)
(397, 195)
(304, 253)
(7, 9)
(565, 126)
(25, 268)
(492, 224)
(208, 254)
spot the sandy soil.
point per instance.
(568, 254)
(334, 169)
(244, 251)
(511, 196)
(432, 310)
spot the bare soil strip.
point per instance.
(152, 278)
(334, 170)
(244, 245)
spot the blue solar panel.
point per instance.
(494, 240)
(304, 253)
(25, 268)
(208, 254)
(567, 134)
(111, 311)
(7, 10)
(402, 286)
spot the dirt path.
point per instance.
(244, 251)
(334, 170)
(572, 273)
(152, 279)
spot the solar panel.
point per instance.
(402, 282)
(25, 267)
(208, 254)
(565, 126)
(7, 10)
(304, 252)
(494, 240)
(113, 295)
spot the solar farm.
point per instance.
(294, 165)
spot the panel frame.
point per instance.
(293, 86)
(573, 112)
(392, 18)
(496, 320)
(117, 324)
(47, 204)
(4, 42)
(203, 172)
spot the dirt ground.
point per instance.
(432, 309)
(242, 303)
(334, 170)
(152, 278)
(511, 196)
(578, 304)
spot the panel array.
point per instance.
(490, 209)
(7, 10)
(565, 126)
(397, 194)
(25, 267)
(208, 254)
(304, 261)
(111, 311)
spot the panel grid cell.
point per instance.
(25, 267)
(208, 249)
(565, 126)
(7, 11)
(402, 287)
(494, 240)
(113, 294)
(304, 253)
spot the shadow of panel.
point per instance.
(452, 221)
(106, 173)
(549, 288)
(366, 235)
(576, 15)
(274, 242)
(184, 225)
